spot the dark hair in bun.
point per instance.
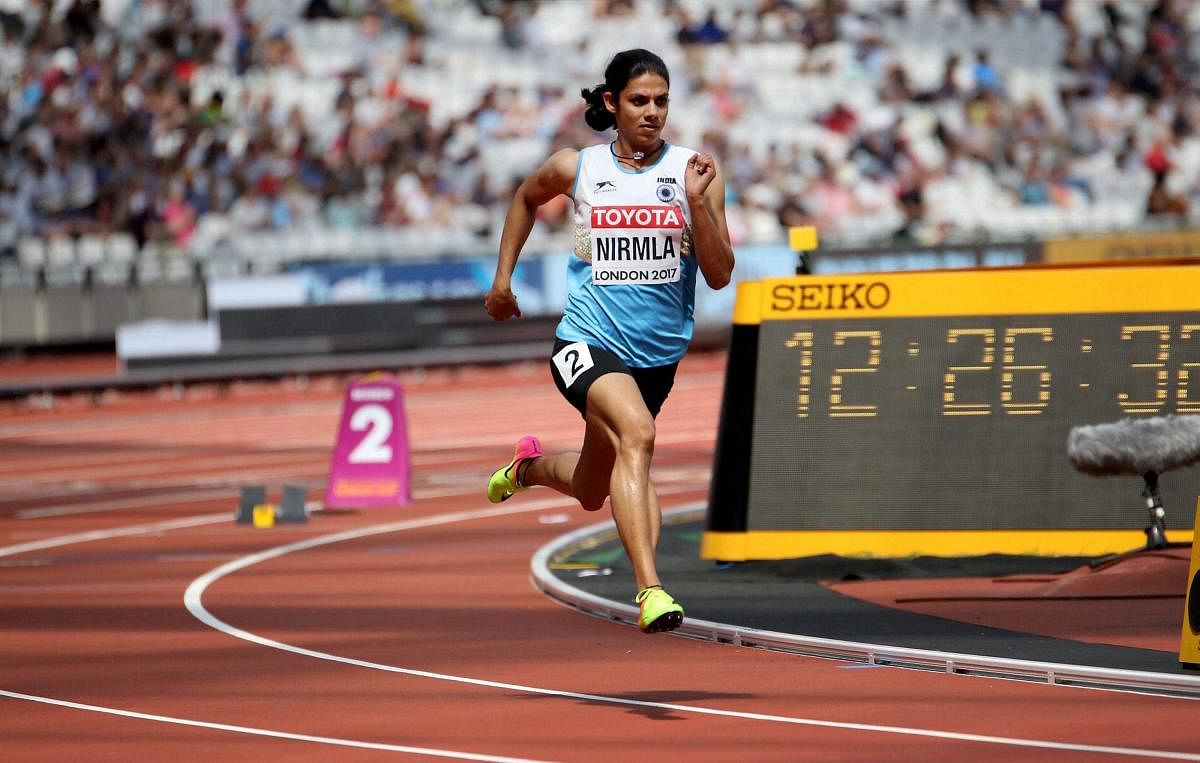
(626, 65)
(597, 115)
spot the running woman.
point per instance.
(648, 215)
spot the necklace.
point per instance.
(637, 155)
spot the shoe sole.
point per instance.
(667, 621)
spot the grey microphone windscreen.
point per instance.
(1135, 446)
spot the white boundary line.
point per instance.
(877, 654)
(117, 504)
(65, 540)
(264, 732)
(194, 594)
(116, 532)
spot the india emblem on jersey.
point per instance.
(636, 244)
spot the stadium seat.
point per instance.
(60, 252)
(341, 244)
(90, 249)
(120, 247)
(782, 86)
(31, 253)
(294, 246)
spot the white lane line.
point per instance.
(195, 591)
(189, 495)
(241, 414)
(698, 477)
(696, 480)
(230, 480)
(64, 540)
(116, 504)
(116, 532)
(483, 439)
(266, 732)
(146, 469)
(666, 486)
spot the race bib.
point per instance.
(571, 361)
(636, 244)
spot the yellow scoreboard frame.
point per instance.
(893, 414)
(1189, 640)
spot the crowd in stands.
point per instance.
(189, 124)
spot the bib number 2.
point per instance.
(572, 361)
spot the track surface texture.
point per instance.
(138, 621)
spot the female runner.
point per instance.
(648, 215)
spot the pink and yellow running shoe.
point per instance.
(505, 481)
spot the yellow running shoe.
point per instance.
(505, 481)
(659, 611)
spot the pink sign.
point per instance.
(371, 465)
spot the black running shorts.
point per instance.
(576, 365)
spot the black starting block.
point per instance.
(292, 508)
(252, 495)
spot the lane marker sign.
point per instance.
(371, 464)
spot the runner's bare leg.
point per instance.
(615, 460)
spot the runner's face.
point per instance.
(641, 110)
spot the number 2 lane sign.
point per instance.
(371, 464)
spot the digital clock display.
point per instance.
(942, 401)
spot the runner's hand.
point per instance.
(501, 304)
(700, 171)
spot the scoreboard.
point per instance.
(928, 412)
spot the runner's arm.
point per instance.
(555, 176)
(710, 231)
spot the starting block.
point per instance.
(253, 507)
(292, 507)
(252, 495)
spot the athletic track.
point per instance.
(138, 622)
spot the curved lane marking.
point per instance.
(265, 732)
(115, 532)
(197, 521)
(884, 655)
(194, 594)
(118, 504)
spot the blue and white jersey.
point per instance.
(631, 286)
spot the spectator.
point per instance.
(145, 120)
(177, 215)
(707, 32)
(237, 36)
(1164, 201)
(251, 211)
(840, 119)
(987, 79)
(320, 9)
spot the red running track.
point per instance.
(139, 622)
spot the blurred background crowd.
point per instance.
(285, 129)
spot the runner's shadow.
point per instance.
(654, 705)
